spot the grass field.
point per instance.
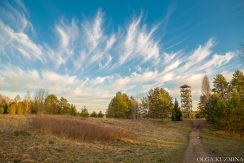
(134, 141)
(221, 143)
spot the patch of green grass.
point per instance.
(222, 145)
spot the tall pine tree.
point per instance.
(176, 112)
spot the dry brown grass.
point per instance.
(74, 128)
(148, 141)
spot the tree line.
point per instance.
(223, 105)
(157, 104)
(42, 103)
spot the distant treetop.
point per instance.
(185, 86)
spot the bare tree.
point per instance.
(17, 98)
(27, 101)
(206, 91)
(39, 98)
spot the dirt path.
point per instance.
(195, 148)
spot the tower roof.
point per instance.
(185, 86)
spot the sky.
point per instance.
(87, 50)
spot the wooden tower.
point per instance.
(186, 100)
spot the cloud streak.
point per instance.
(89, 63)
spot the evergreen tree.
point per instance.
(236, 116)
(237, 83)
(5, 106)
(220, 85)
(202, 106)
(160, 103)
(215, 109)
(100, 114)
(225, 108)
(84, 112)
(72, 110)
(176, 112)
(93, 114)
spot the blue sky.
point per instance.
(88, 50)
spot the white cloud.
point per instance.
(15, 43)
(53, 79)
(93, 31)
(15, 79)
(64, 38)
(15, 39)
(15, 15)
(67, 37)
(168, 57)
(88, 62)
(172, 66)
(201, 53)
(139, 42)
(110, 42)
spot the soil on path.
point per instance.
(196, 149)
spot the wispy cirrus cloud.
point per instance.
(15, 39)
(89, 63)
(140, 42)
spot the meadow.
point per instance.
(51, 138)
(222, 143)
